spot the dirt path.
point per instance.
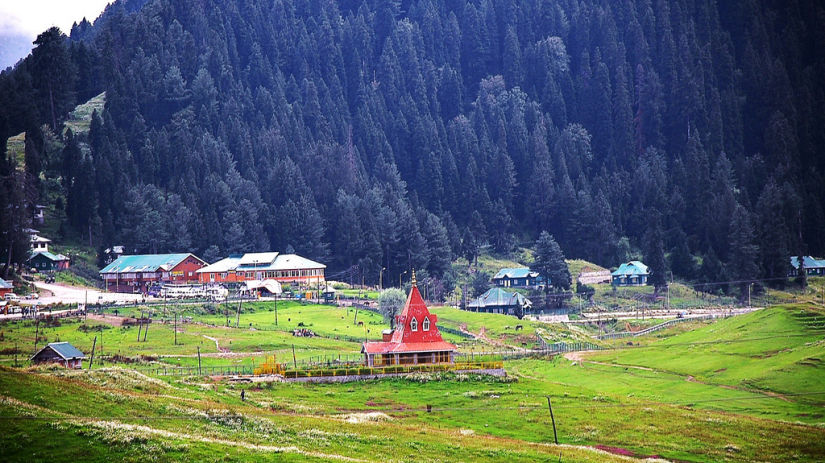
(222, 350)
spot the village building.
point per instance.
(633, 273)
(61, 353)
(131, 274)
(517, 278)
(44, 261)
(813, 267)
(5, 287)
(39, 244)
(415, 339)
(110, 254)
(497, 300)
(283, 268)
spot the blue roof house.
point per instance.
(497, 300)
(517, 278)
(813, 267)
(633, 273)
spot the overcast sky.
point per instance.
(22, 20)
(31, 17)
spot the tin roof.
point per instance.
(146, 263)
(224, 265)
(262, 261)
(522, 272)
(48, 255)
(64, 350)
(633, 267)
(5, 284)
(808, 262)
(499, 297)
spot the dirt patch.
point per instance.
(108, 319)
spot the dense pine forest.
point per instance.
(386, 134)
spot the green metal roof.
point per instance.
(633, 267)
(145, 263)
(49, 256)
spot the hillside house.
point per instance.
(517, 278)
(61, 353)
(283, 268)
(5, 287)
(633, 273)
(130, 274)
(415, 339)
(39, 243)
(813, 267)
(497, 300)
(44, 261)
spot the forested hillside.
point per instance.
(394, 134)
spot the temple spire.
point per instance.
(413, 278)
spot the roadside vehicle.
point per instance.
(12, 297)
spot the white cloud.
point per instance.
(31, 17)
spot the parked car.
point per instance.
(12, 297)
(31, 296)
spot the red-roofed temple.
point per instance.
(414, 340)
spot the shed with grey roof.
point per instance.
(62, 353)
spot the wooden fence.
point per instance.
(660, 326)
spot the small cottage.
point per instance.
(633, 273)
(813, 267)
(45, 261)
(415, 339)
(497, 300)
(517, 278)
(62, 353)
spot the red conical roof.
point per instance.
(409, 334)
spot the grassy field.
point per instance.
(747, 388)
(777, 351)
(632, 411)
(81, 118)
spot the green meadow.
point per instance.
(746, 388)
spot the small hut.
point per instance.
(62, 353)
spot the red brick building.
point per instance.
(136, 273)
(414, 340)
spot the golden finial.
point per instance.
(413, 278)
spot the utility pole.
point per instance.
(294, 360)
(140, 325)
(92, 359)
(146, 329)
(238, 315)
(199, 360)
(553, 419)
(749, 294)
(381, 278)
(176, 328)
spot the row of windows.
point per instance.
(425, 325)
